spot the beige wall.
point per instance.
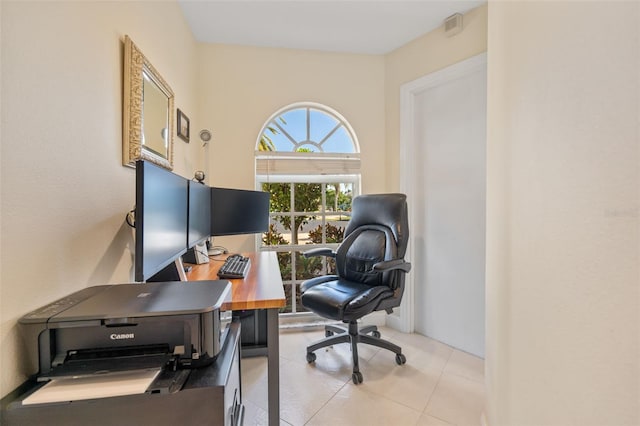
(563, 240)
(562, 273)
(424, 55)
(241, 87)
(64, 190)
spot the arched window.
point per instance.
(308, 128)
(308, 159)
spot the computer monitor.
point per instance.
(238, 211)
(199, 213)
(160, 219)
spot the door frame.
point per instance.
(409, 92)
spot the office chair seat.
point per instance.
(369, 277)
(342, 300)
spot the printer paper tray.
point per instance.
(91, 368)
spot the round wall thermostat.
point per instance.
(205, 135)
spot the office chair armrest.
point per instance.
(322, 251)
(389, 265)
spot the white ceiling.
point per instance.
(353, 26)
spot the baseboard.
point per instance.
(310, 320)
(394, 321)
(375, 318)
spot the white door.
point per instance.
(447, 197)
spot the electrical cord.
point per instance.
(202, 253)
(221, 249)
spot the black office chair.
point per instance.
(370, 272)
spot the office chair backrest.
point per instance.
(378, 230)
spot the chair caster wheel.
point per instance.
(311, 357)
(400, 359)
(356, 377)
(375, 334)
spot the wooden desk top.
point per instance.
(260, 289)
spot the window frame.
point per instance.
(293, 167)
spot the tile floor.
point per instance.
(438, 386)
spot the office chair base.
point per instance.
(336, 334)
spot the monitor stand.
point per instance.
(198, 255)
(172, 272)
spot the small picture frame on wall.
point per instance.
(183, 126)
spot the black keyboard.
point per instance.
(234, 267)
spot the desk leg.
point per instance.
(273, 366)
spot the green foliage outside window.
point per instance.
(272, 237)
(335, 234)
(340, 203)
(307, 199)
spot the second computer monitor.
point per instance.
(199, 213)
(238, 211)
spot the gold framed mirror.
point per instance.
(147, 127)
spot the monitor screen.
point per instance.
(199, 213)
(238, 211)
(160, 218)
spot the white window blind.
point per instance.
(308, 164)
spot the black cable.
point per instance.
(131, 218)
(202, 253)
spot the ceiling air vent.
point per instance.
(453, 24)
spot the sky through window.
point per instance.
(309, 129)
